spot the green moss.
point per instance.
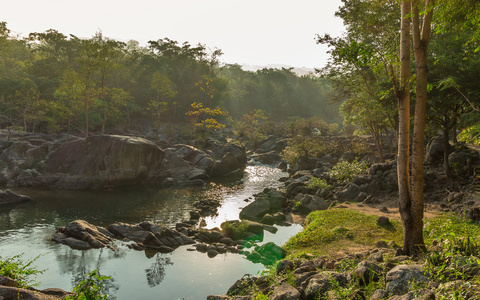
(333, 230)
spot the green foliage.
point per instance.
(318, 183)
(345, 171)
(18, 270)
(91, 288)
(235, 230)
(447, 226)
(470, 135)
(307, 146)
(250, 127)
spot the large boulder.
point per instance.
(229, 159)
(104, 161)
(435, 150)
(255, 210)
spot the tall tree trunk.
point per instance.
(403, 96)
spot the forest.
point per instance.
(53, 82)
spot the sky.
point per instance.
(249, 32)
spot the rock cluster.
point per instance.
(322, 277)
(81, 235)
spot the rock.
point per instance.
(82, 235)
(322, 282)
(383, 221)
(229, 158)
(104, 161)
(268, 158)
(284, 266)
(219, 297)
(212, 253)
(381, 244)
(421, 294)
(268, 219)
(376, 257)
(379, 295)
(9, 197)
(8, 292)
(255, 210)
(399, 280)
(366, 272)
(435, 150)
(314, 203)
(282, 165)
(349, 193)
(202, 247)
(285, 292)
(279, 218)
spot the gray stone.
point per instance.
(285, 292)
(379, 295)
(255, 210)
(366, 272)
(322, 282)
(400, 279)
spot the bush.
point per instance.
(19, 271)
(235, 230)
(91, 288)
(311, 146)
(317, 183)
(345, 171)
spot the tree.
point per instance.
(30, 107)
(164, 92)
(205, 119)
(411, 200)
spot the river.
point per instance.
(183, 274)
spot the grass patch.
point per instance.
(449, 226)
(333, 230)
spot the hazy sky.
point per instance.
(253, 32)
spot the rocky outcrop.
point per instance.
(108, 161)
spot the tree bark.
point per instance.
(403, 96)
(411, 204)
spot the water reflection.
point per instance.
(29, 228)
(156, 272)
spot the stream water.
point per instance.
(182, 274)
